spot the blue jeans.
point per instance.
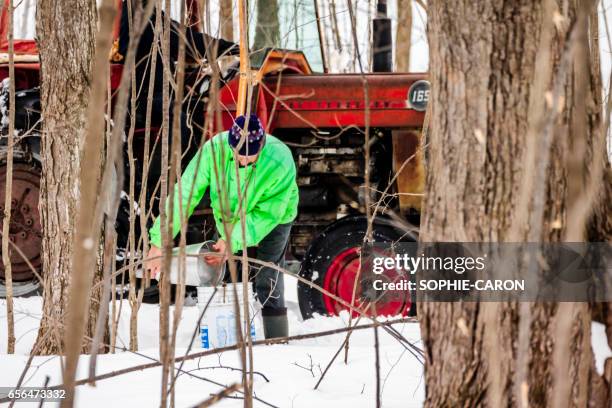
(269, 283)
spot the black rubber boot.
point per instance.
(275, 323)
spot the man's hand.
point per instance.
(154, 262)
(220, 247)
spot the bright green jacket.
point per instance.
(271, 198)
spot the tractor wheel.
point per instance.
(332, 262)
(25, 230)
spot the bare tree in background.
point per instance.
(226, 20)
(506, 125)
(66, 34)
(267, 30)
(403, 35)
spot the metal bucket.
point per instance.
(197, 271)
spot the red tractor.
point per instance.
(320, 115)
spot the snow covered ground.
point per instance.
(286, 367)
(290, 370)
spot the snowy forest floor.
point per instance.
(286, 366)
(291, 369)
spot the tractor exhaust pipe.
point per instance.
(382, 40)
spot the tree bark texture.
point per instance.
(66, 33)
(484, 62)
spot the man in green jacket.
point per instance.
(264, 190)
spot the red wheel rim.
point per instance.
(25, 229)
(340, 280)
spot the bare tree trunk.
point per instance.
(166, 225)
(244, 106)
(493, 64)
(66, 32)
(267, 30)
(403, 36)
(226, 20)
(335, 26)
(132, 249)
(175, 169)
(8, 190)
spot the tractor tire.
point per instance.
(332, 262)
(25, 229)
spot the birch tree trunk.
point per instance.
(495, 67)
(66, 32)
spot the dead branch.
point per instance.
(224, 367)
(110, 237)
(310, 368)
(219, 396)
(29, 363)
(342, 346)
(193, 336)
